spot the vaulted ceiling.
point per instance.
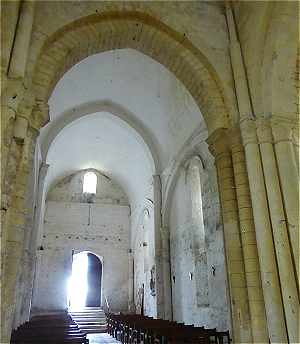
(120, 112)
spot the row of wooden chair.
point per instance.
(55, 329)
(138, 329)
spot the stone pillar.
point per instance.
(31, 244)
(289, 181)
(130, 282)
(219, 146)
(12, 93)
(22, 38)
(16, 106)
(158, 247)
(280, 233)
(36, 287)
(23, 294)
(197, 232)
(27, 297)
(264, 237)
(165, 235)
(255, 294)
(295, 141)
(16, 217)
(39, 211)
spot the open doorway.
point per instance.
(84, 286)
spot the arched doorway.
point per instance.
(94, 275)
(85, 283)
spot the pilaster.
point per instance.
(220, 148)
(130, 282)
(287, 162)
(158, 247)
(165, 236)
(264, 235)
(247, 229)
(279, 228)
(13, 231)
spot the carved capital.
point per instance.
(264, 132)
(283, 130)
(40, 114)
(26, 105)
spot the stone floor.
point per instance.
(100, 338)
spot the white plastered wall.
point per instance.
(186, 289)
(71, 224)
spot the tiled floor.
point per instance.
(101, 338)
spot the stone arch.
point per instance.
(280, 62)
(116, 110)
(78, 193)
(130, 29)
(184, 163)
(196, 147)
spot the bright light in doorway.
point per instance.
(90, 183)
(78, 284)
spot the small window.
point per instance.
(90, 183)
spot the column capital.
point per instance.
(40, 114)
(283, 129)
(264, 132)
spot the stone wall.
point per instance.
(198, 270)
(72, 224)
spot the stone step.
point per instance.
(86, 309)
(83, 322)
(87, 312)
(93, 326)
(93, 329)
(88, 316)
(90, 319)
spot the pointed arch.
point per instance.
(114, 109)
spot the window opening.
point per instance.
(90, 183)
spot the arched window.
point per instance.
(90, 183)
(196, 198)
(195, 166)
